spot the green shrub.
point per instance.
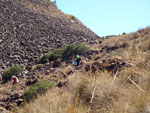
(80, 49)
(73, 17)
(64, 52)
(7, 75)
(43, 59)
(54, 55)
(38, 88)
(68, 51)
(51, 56)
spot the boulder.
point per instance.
(113, 64)
(57, 63)
(62, 83)
(31, 81)
(87, 68)
(70, 72)
(12, 100)
(93, 68)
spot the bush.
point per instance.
(38, 88)
(68, 51)
(72, 49)
(64, 52)
(80, 49)
(51, 56)
(73, 17)
(54, 55)
(7, 75)
(43, 59)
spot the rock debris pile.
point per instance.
(29, 28)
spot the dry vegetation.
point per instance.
(126, 91)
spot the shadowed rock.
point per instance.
(62, 83)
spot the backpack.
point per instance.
(74, 63)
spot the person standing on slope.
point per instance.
(78, 59)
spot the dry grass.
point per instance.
(117, 97)
(55, 101)
(126, 92)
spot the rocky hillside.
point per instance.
(112, 78)
(29, 28)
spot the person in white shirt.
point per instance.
(14, 80)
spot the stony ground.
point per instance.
(30, 28)
(108, 56)
(112, 78)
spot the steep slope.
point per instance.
(29, 28)
(113, 78)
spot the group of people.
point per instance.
(14, 79)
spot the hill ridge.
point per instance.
(26, 34)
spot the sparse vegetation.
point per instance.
(7, 75)
(125, 92)
(38, 88)
(73, 17)
(113, 76)
(63, 53)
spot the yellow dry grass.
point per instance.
(127, 91)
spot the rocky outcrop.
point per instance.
(113, 65)
(31, 81)
(12, 101)
(115, 47)
(62, 83)
(29, 28)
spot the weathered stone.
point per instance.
(97, 58)
(91, 52)
(19, 102)
(94, 69)
(56, 63)
(28, 68)
(111, 64)
(87, 67)
(69, 72)
(62, 83)
(26, 34)
(12, 100)
(31, 81)
(114, 47)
